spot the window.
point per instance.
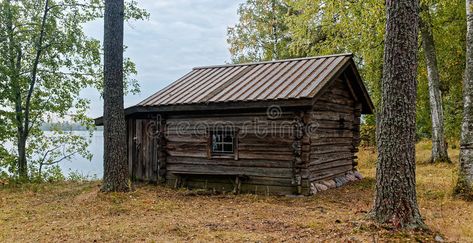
(223, 142)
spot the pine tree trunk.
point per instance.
(395, 199)
(115, 160)
(439, 146)
(464, 185)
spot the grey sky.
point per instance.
(180, 35)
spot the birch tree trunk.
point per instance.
(439, 146)
(464, 185)
(395, 198)
(115, 161)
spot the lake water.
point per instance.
(93, 168)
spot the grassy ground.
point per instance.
(78, 212)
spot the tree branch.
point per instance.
(68, 5)
(35, 67)
(38, 115)
(41, 162)
(68, 156)
(67, 73)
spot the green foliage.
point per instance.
(50, 174)
(449, 32)
(309, 28)
(75, 176)
(261, 33)
(45, 61)
(449, 26)
(367, 135)
(316, 27)
(322, 27)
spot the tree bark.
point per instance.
(115, 160)
(22, 162)
(439, 146)
(464, 185)
(395, 198)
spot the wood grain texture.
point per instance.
(336, 118)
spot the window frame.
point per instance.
(223, 154)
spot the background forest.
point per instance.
(41, 78)
(278, 29)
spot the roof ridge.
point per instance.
(275, 61)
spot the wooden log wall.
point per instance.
(264, 147)
(301, 151)
(334, 142)
(279, 155)
(161, 151)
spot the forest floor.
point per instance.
(78, 212)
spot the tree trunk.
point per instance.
(395, 199)
(464, 185)
(15, 67)
(439, 147)
(22, 162)
(275, 31)
(115, 160)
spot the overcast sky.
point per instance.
(180, 35)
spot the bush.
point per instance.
(368, 135)
(76, 176)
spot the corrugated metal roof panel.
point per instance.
(275, 80)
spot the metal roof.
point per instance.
(274, 80)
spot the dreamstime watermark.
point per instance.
(274, 123)
(274, 112)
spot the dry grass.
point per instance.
(78, 212)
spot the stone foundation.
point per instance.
(336, 182)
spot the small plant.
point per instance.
(76, 176)
(50, 174)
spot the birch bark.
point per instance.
(439, 146)
(464, 185)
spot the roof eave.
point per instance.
(232, 106)
(368, 106)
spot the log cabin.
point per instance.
(278, 127)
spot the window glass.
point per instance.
(228, 147)
(223, 142)
(228, 138)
